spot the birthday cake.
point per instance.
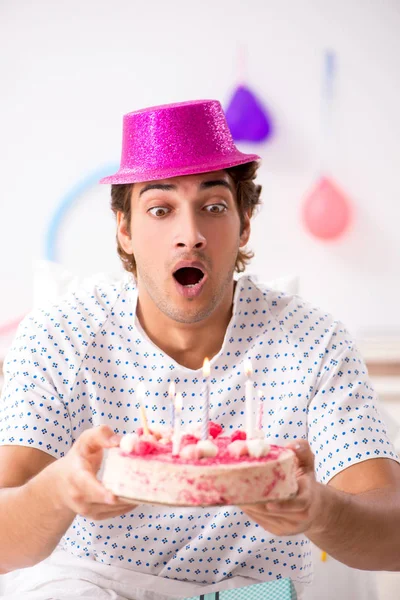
(220, 470)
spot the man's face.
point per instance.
(185, 236)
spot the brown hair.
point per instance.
(247, 198)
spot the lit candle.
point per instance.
(260, 410)
(141, 398)
(176, 438)
(249, 400)
(206, 401)
(171, 394)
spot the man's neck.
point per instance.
(187, 343)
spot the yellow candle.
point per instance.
(141, 397)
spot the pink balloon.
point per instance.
(326, 210)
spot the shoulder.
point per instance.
(315, 333)
(75, 317)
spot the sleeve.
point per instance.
(32, 405)
(344, 424)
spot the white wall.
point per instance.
(69, 71)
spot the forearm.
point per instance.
(32, 521)
(362, 531)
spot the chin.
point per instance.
(188, 315)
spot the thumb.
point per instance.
(304, 455)
(95, 439)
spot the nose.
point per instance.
(189, 234)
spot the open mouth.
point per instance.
(188, 276)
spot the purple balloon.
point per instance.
(248, 120)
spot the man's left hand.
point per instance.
(298, 514)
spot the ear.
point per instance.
(123, 234)
(245, 235)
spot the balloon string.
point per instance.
(326, 109)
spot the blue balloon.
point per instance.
(65, 204)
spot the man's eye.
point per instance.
(158, 211)
(216, 208)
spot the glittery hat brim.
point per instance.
(137, 175)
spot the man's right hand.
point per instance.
(76, 485)
(41, 496)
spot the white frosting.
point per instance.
(147, 438)
(194, 429)
(128, 442)
(206, 449)
(238, 448)
(258, 434)
(164, 441)
(189, 452)
(257, 448)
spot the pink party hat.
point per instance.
(176, 139)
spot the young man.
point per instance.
(183, 199)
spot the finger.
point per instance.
(88, 489)
(295, 504)
(114, 441)
(109, 513)
(299, 502)
(277, 523)
(304, 455)
(98, 438)
(279, 509)
(102, 511)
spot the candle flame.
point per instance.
(206, 367)
(248, 369)
(171, 390)
(178, 402)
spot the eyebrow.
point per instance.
(165, 187)
(215, 182)
(168, 187)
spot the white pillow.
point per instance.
(51, 280)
